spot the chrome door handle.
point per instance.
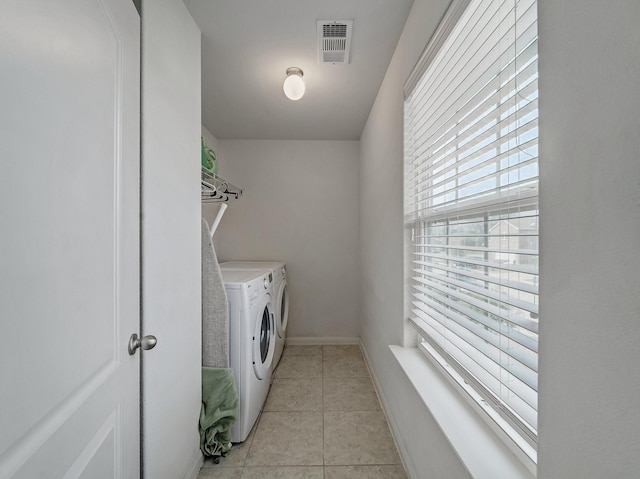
(147, 342)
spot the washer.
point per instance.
(251, 342)
(281, 296)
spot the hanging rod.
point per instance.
(215, 190)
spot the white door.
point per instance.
(171, 226)
(69, 238)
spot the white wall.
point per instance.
(590, 239)
(381, 231)
(171, 239)
(300, 206)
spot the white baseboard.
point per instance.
(395, 433)
(196, 464)
(319, 341)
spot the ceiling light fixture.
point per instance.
(294, 84)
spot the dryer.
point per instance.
(280, 298)
(251, 342)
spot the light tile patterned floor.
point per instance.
(322, 420)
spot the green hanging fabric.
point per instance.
(209, 160)
(219, 410)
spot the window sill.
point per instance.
(479, 448)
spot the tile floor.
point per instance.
(321, 420)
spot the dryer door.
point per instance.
(263, 338)
(283, 309)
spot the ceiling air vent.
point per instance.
(334, 40)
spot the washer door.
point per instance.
(263, 338)
(283, 309)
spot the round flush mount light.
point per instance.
(294, 84)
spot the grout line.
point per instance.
(324, 462)
(252, 433)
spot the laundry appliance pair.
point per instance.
(280, 296)
(257, 305)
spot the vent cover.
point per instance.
(334, 40)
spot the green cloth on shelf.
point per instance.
(219, 410)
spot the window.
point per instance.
(471, 206)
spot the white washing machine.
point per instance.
(251, 342)
(281, 296)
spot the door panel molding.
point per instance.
(70, 281)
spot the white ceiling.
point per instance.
(247, 45)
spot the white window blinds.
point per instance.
(471, 185)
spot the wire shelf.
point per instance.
(216, 190)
